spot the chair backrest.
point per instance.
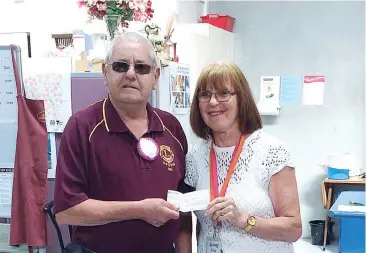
(48, 209)
(71, 247)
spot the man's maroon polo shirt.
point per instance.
(98, 159)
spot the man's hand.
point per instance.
(158, 211)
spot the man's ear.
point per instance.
(157, 74)
(104, 69)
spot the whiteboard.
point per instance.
(8, 107)
(8, 126)
(22, 39)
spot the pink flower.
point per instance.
(131, 5)
(101, 6)
(81, 4)
(135, 4)
(138, 16)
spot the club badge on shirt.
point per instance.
(167, 154)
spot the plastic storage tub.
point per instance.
(338, 174)
(222, 21)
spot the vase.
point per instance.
(113, 23)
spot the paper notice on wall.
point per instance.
(52, 156)
(6, 189)
(49, 79)
(179, 82)
(270, 89)
(313, 90)
(291, 90)
(269, 100)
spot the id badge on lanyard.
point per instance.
(214, 244)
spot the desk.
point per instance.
(327, 194)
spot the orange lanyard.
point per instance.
(214, 191)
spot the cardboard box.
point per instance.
(88, 65)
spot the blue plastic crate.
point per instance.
(338, 174)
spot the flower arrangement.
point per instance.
(121, 11)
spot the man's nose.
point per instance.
(131, 74)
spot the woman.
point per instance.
(255, 208)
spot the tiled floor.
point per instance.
(305, 246)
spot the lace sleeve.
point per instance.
(191, 172)
(278, 158)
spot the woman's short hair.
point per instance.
(222, 76)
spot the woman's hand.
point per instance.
(225, 209)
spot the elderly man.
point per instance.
(117, 160)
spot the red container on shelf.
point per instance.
(225, 22)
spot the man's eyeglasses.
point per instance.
(223, 96)
(123, 67)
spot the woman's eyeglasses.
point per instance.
(223, 96)
(123, 67)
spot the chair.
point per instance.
(71, 247)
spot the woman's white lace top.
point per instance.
(262, 156)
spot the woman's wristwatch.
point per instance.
(250, 223)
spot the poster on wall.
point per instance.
(51, 155)
(269, 100)
(49, 79)
(6, 189)
(313, 90)
(179, 82)
(291, 90)
(270, 89)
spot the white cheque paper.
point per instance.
(188, 202)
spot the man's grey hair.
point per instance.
(131, 37)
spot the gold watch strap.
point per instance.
(248, 227)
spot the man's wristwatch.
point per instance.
(250, 223)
